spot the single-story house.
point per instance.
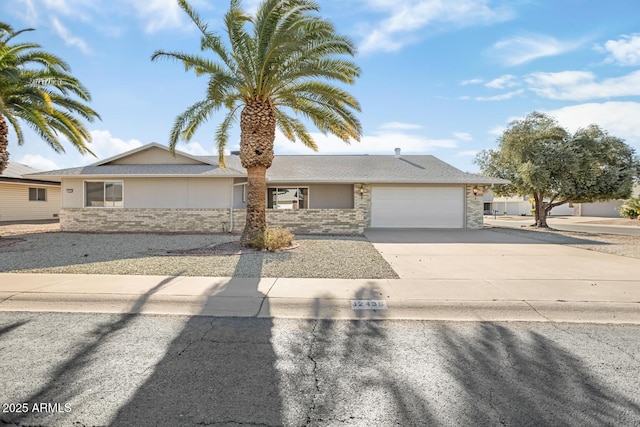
(521, 205)
(608, 209)
(149, 189)
(27, 198)
(518, 205)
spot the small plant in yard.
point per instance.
(272, 239)
(631, 208)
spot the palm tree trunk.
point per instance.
(257, 134)
(4, 143)
(256, 222)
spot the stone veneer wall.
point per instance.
(116, 220)
(309, 221)
(475, 210)
(362, 202)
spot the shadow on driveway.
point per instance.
(488, 236)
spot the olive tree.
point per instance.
(542, 159)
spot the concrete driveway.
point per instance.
(490, 256)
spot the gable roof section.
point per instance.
(343, 169)
(121, 166)
(19, 173)
(179, 157)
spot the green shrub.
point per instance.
(631, 208)
(628, 212)
(273, 239)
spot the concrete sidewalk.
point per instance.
(546, 300)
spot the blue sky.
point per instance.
(441, 77)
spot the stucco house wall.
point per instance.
(171, 193)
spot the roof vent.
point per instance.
(397, 153)
(235, 153)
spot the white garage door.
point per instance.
(417, 207)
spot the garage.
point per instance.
(417, 207)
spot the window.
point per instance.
(287, 198)
(37, 194)
(103, 194)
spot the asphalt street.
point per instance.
(72, 369)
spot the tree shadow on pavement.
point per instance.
(216, 371)
(13, 326)
(345, 366)
(213, 371)
(60, 384)
(510, 379)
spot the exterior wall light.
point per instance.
(361, 190)
(476, 191)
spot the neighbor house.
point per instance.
(518, 205)
(150, 190)
(521, 205)
(608, 209)
(27, 198)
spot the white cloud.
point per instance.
(500, 97)
(520, 49)
(399, 126)
(28, 12)
(38, 162)
(251, 6)
(581, 85)
(77, 9)
(155, 15)
(497, 130)
(194, 148)
(624, 51)
(619, 118)
(69, 39)
(159, 14)
(105, 145)
(407, 17)
(463, 136)
(68, 7)
(471, 82)
(503, 82)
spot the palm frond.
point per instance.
(37, 88)
(187, 123)
(294, 129)
(222, 135)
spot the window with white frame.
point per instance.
(37, 194)
(287, 198)
(103, 194)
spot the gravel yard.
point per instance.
(628, 246)
(189, 255)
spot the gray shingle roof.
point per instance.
(18, 171)
(369, 169)
(146, 170)
(425, 169)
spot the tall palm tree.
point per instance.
(278, 62)
(37, 88)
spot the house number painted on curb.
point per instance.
(370, 304)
